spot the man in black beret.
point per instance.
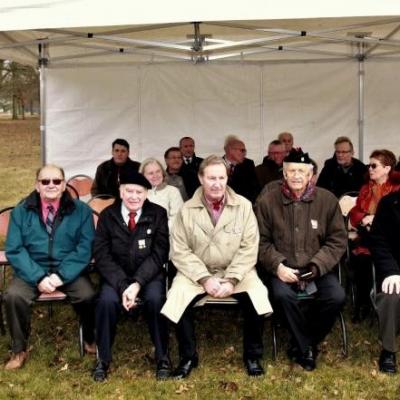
(130, 248)
(302, 238)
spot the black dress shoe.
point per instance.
(307, 359)
(99, 372)
(163, 370)
(387, 362)
(253, 367)
(185, 367)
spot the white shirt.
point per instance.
(125, 214)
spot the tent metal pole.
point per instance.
(43, 61)
(361, 91)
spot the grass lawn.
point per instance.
(55, 371)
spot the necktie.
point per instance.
(50, 219)
(132, 222)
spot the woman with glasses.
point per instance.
(164, 195)
(383, 179)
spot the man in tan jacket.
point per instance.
(214, 247)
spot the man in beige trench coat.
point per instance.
(214, 247)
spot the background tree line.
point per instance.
(19, 89)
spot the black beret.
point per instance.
(133, 177)
(297, 156)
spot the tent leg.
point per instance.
(43, 61)
(361, 90)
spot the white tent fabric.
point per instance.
(40, 14)
(153, 106)
(149, 73)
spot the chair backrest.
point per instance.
(82, 184)
(100, 202)
(5, 220)
(72, 191)
(347, 202)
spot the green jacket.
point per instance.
(34, 254)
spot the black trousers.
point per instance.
(109, 309)
(308, 326)
(252, 329)
(20, 296)
(363, 281)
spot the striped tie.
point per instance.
(50, 219)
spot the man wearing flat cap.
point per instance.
(130, 248)
(302, 238)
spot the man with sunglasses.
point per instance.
(342, 173)
(49, 245)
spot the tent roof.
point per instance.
(120, 32)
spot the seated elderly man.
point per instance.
(49, 245)
(385, 250)
(214, 247)
(130, 248)
(302, 238)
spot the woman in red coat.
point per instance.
(383, 179)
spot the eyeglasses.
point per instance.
(46, 182)
(239, 149)
(301, 172)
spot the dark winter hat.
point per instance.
(133, 177)
(297, 156)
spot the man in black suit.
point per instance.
(130, 248)
(190, 166)
(242, 176)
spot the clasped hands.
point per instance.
(49, 284)
(218, 287)
(129, 296)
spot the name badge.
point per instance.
(141, 244)
(314, 224)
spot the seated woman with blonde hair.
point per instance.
(161, 193)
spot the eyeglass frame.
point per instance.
(54, 181)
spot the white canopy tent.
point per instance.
(256, 69)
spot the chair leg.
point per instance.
(81, 345)
(344, 335)
(2, 326)
(274, 344)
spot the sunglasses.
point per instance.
(46, 182)
(373, 166)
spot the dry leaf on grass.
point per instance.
(64, 368)
(228, 386)
(183, 387)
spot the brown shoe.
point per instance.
(17, 360)
(90, 348)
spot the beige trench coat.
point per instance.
(229, 249)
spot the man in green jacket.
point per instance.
(49, 245)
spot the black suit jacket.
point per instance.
(189, 173)
(243, 180)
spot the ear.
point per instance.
(200, 178)
(37, 186)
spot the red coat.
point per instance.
(364, 199)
